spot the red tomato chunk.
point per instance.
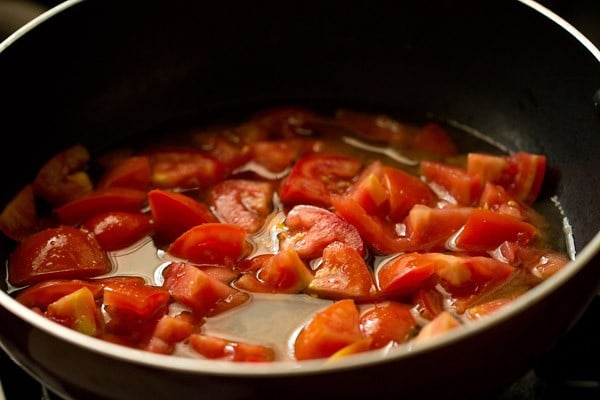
(285, 207)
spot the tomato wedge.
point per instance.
(215, 347)
(62, 252)
(184, 168)
(331, 329)
(243, 202)
(78, 311)
(43, 293)
(116, 230)
(315, 177)
(312, 228)
(390, 322)
(174, 213)
(131, 295)
(485, 230)
(211, 243)
(133, 172)
(405, 274)
(101, 200)
(342, 274)
(463, 187)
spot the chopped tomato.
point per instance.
(435, 140)
(202, 293)
(242, 202)
(342, 274)
(63, 178)
(62, 252)
(443, 323)
(229, 153)
(142, 299)
(78, 311)
(101, 200)
(331, 329)
(464, 188)
(405, 274)
(168, 331)
(315, 177)
(285, 121)
(485, 230)
(173, 213)
(277, 155)
(312, 228)
(184, 168)
(116, 230)
(428, 229)
(375, 126)
(521, 174)
(429, 302)
(211, 243)
(353, 348)
(19, 217)
(43, 293)
(283, 272)
(539, 262)
(388, 323)
(216, 347)
(379, 235)
(133, 172)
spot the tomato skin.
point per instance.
(342, 274)
(62, 252)
(174, 213)
(211, 243)
(463, 187)
(43, 293)
(101, 200)
(142, 299)
(283, 272)
(330, 329)
(320, 227)
(315, 177)
(387, 322)
(201, 292)
(116, 230)
(241, 202)
(485, 230)
(133, 172)
(442, 323)
(63, 178)
(405, 274)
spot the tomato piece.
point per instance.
(521, 174)
(63, 177)
(184, 168)
(242, 202)
(101, 200)
(202, 293)
(283, 272)
(312, 228)
(388, 323)
(377, 127)
(541, 263)
(229, 153)
(173, 213)
(342, 274)
(481, 310)
(353, 348)
(19, 217)
(315, 177)
(78, 311)
(277, 155)
(443, 323)
(62, 252)
(379, 235)
(116, 230)
(168, 331)
(389, 192)
(43, 293)
(330, 330)
(133, 172)
(405, 274)
(216, 348)
(485, 230)
(211, 243)
(429, 302)
(142, 299)
(429, 229)
(285, 121)
(435, 140)
(463, 188)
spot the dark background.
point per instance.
(571, 371)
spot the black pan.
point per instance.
(96, 72)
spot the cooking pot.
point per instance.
(95, 72)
